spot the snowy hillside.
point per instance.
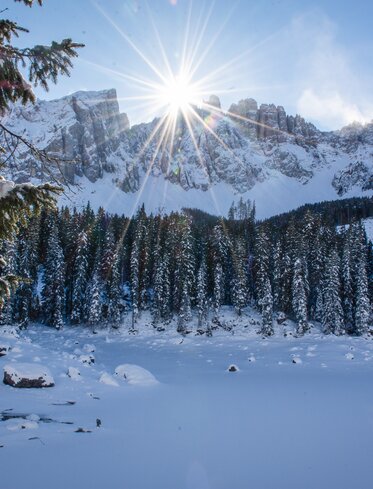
(280, 161)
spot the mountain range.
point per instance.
(251, 152)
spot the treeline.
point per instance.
(92, 268)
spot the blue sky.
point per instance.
(314, 58)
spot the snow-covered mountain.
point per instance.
(279, 161)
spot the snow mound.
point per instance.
(108, 380)
(87, 359)
(18, 424)
(297, 360)
(27, 375)
(349, 356)
(135, 375)
(88, 348)
(73, 373)
(9, 331)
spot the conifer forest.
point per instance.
(94, 268)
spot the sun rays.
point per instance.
(178, 96)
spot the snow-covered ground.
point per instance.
(273, 196)
(298, 412)
(368, 223)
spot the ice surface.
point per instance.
(272, 425)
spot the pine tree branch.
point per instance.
(41, 155)
(17, 202)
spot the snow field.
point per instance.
(272, 423)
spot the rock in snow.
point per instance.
(87, 359)
(73, 373)
(135, 375)
(27, 375)
(4, 349)
(233, 368)
(297, 360)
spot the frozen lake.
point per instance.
(272, 424)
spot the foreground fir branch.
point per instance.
(21, 69)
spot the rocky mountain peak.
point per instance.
(247, 148)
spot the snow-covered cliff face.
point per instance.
(263, 154)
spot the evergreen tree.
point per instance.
(363, 309)
(45, 64)
(162, 292)
(185, 313)
(94, 312)
(27, 259)
(79, 280)
(332, 313)
(266, 306)
(299, 296)
(115, 293)
(53, 289)
(185, 269)
(135, 280)
(347, 284)
(239, 283)
(202, 295)
(263, 286)
(218, 289)
(8, 269)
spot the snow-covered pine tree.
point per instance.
(362, 307)
(347, 285)
(8, 268)
(313, 260)
(332, 313)
(135, 279)
(263, 283)
(218, 289)
(358, 257)
(277, 274)
(288, 259)
(94, 310)
(221, 248)
(20, 68)
(79, 280)
(52, 296)
(239, 282)
(185, 270)
(27, 260)
(299, 296)
(202, 303)
(266, 306)
(162, 292)
(114, 292)
(232, 212)
(185, 312)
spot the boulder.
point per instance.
(233, 368)
(27, 375)
(73, 373)
(4, 349)
(87, 359)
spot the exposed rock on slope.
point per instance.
(258, 148)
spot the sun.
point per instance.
(177, 94)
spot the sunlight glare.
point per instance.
(178, 94)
